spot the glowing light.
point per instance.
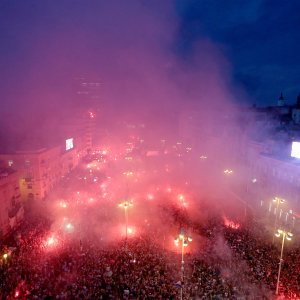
(128, 173)
(228, 171)
(278, 200)
(62, 204)
(50, 241)
(131, 231)
(287, 234)
(182, 200)
(91, 115)
(180, 197)
(126, 204)
(231, 224)
(69, 144)
(295, 150)
(5, 255)
(183, 239)
(203, 157)
(17, 294)
(169, 190)
(69, 227)
(150, 197)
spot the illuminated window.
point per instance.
(10, 163)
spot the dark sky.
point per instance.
(45, 44)
(261, 38)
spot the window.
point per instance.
(10, 163)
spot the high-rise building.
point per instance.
(88, 104)
(88, 94)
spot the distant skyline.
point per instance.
(45, 44)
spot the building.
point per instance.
(88, 93)
(296, 112)
(88, 104)
(257, 140)
(40, 170)
(11, 208)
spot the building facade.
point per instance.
(11, 208)
(40, 170)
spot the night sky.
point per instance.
(45, 44)
(260, 38)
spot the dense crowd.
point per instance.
(137, 269)
(229, 264)
(226, 262)
(262, 258)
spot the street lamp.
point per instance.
(183, 240)
(288, 236)
(278, 201)
(126, 204)
(182, 200)
(228, 172)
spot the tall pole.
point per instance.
(182, 268)
(125, 205)
(278, 201)
(277, 206)
(280, 262)
(184, 240)
(126, 222)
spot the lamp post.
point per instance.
(126, 204)
(278, 201)
(285, 235)
(183, 240)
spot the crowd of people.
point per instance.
(132, 269)
(262, 257)
(225, 262)
(230, 263)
